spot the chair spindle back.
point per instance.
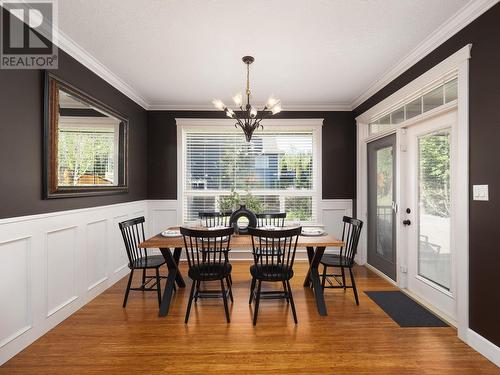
(133, 234)
(207, 250)
(215, 219)
(275, 219)
(274, 250)
(350, 236)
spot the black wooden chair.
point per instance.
(273, 253)
(208, 259)
(275, 219)
(133, 234)
(212, 219)
(345, 259)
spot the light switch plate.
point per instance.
(480, 192)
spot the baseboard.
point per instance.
(381, 274)
(484, 347)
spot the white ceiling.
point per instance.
(183, 53)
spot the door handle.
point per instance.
(406, 222)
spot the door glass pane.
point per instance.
(384, 202)
(434, 200)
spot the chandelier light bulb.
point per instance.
(276, 109)
(229, 113)
(218, 104)
(271, 102)
(238, 99)
(253, 112)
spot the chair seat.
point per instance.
(334, 260)
(271, 272)
(152, 261)
(210, 272)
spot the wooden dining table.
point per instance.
(315, 248)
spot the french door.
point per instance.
(428, 170)
(381, 205)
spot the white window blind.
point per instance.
(277, 168)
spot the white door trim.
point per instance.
(458, 62)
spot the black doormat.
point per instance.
(405, 311)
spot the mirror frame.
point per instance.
(51, 101)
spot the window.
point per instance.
(276, 171)
(426, 101)
(86, 144)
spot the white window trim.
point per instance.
(458, 62)
(208, 125)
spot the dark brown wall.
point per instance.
(21, 139)
(339, 151)
(484, 123)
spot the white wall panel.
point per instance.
(61, 256)
(332, 212)
(162, 214)
(15, 289)
(96, 253)
(119, 253)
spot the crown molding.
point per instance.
(472, 10)
(340, 107)
(81, 55)
(229, 123)
(68, 45)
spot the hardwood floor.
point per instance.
(104, 338)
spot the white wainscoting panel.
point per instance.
(15, 289)
(119, 257)
(162, 214)
(96, 253)
(62, 282)
(55, 263)
(331, 213)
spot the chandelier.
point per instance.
(248, 118)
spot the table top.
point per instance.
(241, 241)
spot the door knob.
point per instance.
(406, 222)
